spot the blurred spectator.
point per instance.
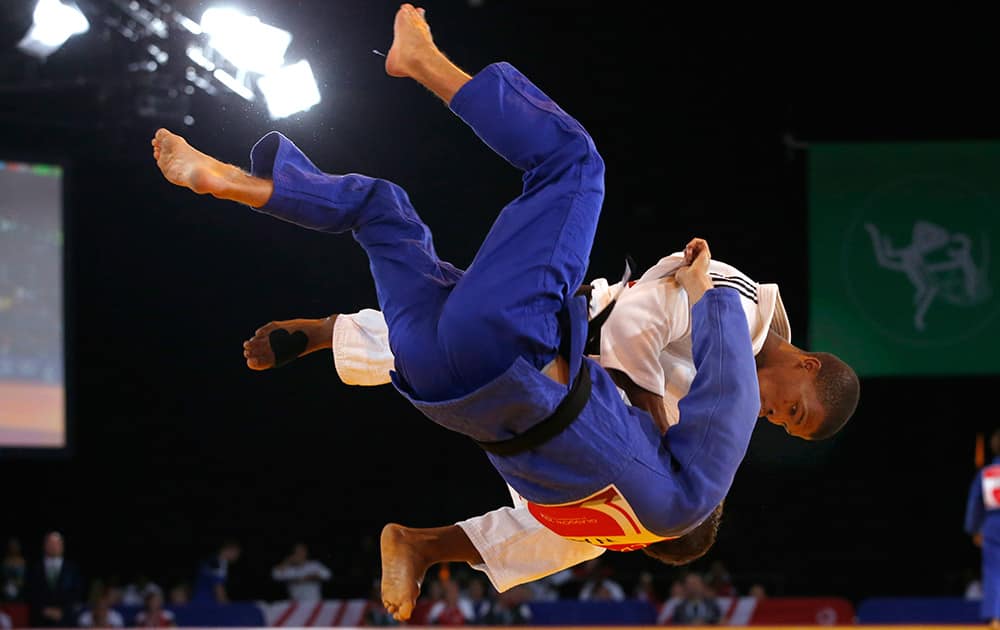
(5, 622)
(453, 609)
(100, 614)
(546, 589)
(677, 589)
(114, 591)
(698, 607)
(568, 582)
(719, 580)
(302, 575)
(153, 615)
(602, 590)
(134, 593)
(511, 608)
(481, 600)
(12, 571)
(53, 586)
(757, 591)
(645, 589)
(598, 584)
(431, 594)
(213, 574)
(375, 612)
(180, 594)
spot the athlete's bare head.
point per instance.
(811, 394)
(690, 546)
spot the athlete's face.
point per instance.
(788, 397)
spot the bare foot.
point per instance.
(185, 166)
(410, 43)
(318, 335)
(403, 569)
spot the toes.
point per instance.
(265, 329)
(257, 352)
(258, 364)
(257, 349)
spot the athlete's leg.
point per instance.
(533, 259)
(411, 281)
(537, 252)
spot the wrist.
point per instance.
(696, 287)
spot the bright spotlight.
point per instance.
(54, 23)
(290, 90)
(245, 41)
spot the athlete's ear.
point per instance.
(810, 363)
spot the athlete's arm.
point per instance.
(975, 513)
(642, 398)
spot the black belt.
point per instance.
(578, 395)
(562, 417)
(593, 343)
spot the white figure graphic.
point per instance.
(938, 264)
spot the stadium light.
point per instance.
(290, 90)
(244, 40)
(53, 24)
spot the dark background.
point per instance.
(703, 123)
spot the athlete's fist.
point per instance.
(697, 250)
(693, 276)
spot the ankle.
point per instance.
(244, 188)
(426, 60)
(321, 334)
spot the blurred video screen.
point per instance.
(32, 388)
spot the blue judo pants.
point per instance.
(453, 331)
(469, 345)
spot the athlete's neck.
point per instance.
(774, 351)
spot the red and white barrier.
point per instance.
(326, 613)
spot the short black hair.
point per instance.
(690, 546)
(838, 390)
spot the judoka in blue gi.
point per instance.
(982, 522)
(496, 351)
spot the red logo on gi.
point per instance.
(604, 519)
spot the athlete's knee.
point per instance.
(579, 151)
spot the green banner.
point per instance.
(904, 256)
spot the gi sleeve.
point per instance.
(974, 510)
